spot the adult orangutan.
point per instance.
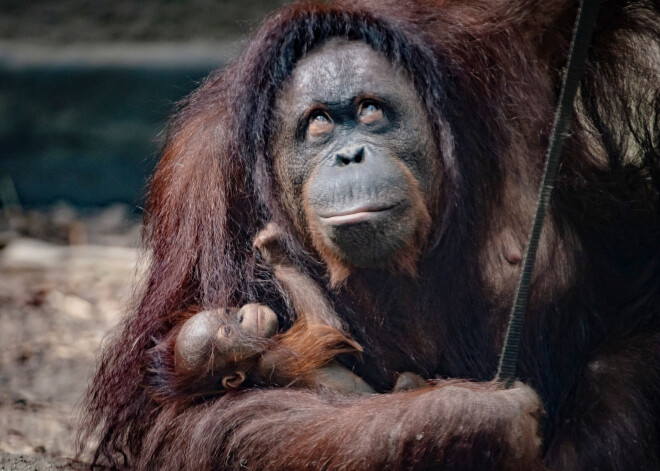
(399, 144)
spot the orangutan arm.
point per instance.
(454, 425)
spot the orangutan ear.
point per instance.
(234, 380)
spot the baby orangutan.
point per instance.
(241, 346)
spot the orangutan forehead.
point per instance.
(339, 70)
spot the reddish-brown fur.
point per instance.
(304, 349)
(303, 356)
(292, 358)
(488, 73)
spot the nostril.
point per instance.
(358, 157)
(350, 156)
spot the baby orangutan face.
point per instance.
(224, 342)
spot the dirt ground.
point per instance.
(57, 301)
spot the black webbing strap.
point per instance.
(577, 56)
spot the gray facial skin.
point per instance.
(354, 152)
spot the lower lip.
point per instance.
(353, 218)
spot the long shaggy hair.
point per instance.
(488, 74)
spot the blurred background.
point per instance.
(85, 90)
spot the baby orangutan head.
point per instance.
(225, 342)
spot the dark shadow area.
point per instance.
(128, 20)
(86, 135)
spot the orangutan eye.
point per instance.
(369, 112)
(319, 124)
